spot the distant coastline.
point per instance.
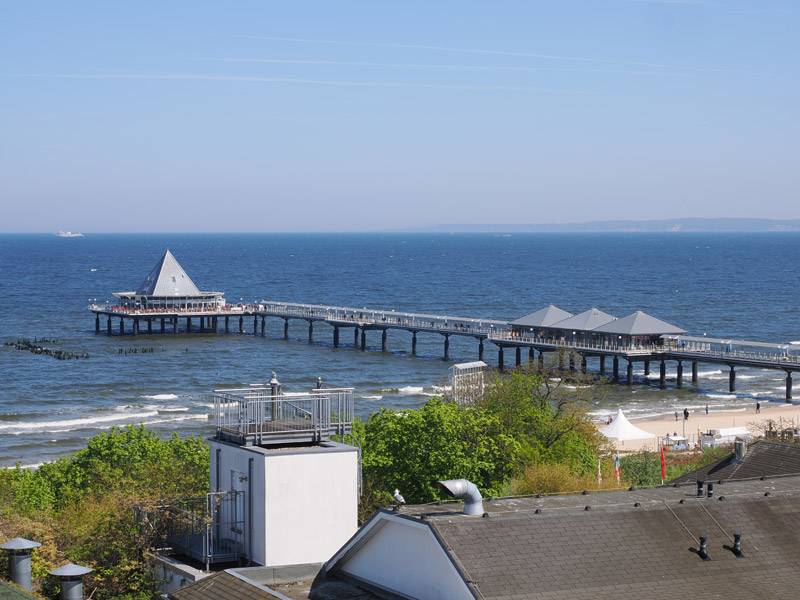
(731, 225)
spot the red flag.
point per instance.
(663, 465)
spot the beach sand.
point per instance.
(700, 422)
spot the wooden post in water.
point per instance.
(446, 347)
(310, 332)
(335, 336)
(363, 339)
(732, 380)
(788, 386)
(263, 325)
(679, 375)
(384, 340)
(355, 337)
(255, 324)
(414, 343)
(694, 372)
(662, 375)
(286, 329)
(96, 323)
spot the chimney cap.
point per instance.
(71, 570)
(19, 543)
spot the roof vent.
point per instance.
(710, 488)
(737, 545)
(19, 560)
(71, 577)
(739, 450)
(466, 491)
(700, 484)
(702, 551)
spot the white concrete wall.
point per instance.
(311, 505)
(405, 557)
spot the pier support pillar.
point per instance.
(602, 364)
(732, 380)
(163, 326)
(629, 380)
(530, 353)
(135, 325)
(310, 332)
(446, 347)
(108, 326)
(355, 337)
(646, 368)
(202, 324)
(583, 364)
(414, 342)
(615, 368)
(480, 349)
(149, 326)
(541, 359)
(788, 386)
(241, 324)
(571, 361)
(215, 324)
(500, 366)
(97, 324)
(694, 372)
(188, 324)
(121, 326)
(363, 339)
(255, 325)
(286, 329)
(518, 356)
(227, 324)
(263, 326)
(335, 336)
(384, 340)
(175, 325)
(662, 375)
(679, 375)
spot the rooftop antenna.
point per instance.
(19, 560)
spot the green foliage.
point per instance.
(642, 469)
(412, 449)
(85, 503)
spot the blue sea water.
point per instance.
(737, 285)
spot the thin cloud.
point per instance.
(483, 51)
(287, 80)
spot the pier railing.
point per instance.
(257, 415)
(605, 345)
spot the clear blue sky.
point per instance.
(279, 116)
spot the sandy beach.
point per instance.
(701, 422)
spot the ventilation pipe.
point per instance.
(71, 578)
(739, 450)
(19, 560)
(700, 491)
(466, 491)
(275, 385)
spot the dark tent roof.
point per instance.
(544, 317)
(585, 321)
(639, 323)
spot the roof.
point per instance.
(762, 459)
(168, 279)
(9, 591)
(639, 323)
(221, 585)
(544, 317)
(585, 321)
(626, 545)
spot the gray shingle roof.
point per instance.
(585, 321)
(544, 317)
(168, 279)
(639, 323)
(763, 459)
(221, 585)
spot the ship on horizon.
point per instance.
(68, 234)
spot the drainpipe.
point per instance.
(249, 501)
(466, 491)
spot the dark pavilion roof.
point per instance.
(763, 459)
(585, 321)
(544, 317)
(628, 545)
(168, 279)
(639, 323)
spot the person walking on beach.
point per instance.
(758, 407)
(685, 414)
(676, 415)
(706, 408)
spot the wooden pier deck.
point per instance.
(673, 349)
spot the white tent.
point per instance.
(622, 430)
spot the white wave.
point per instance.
(723, 396)
(30, 466)
(72, 424)
(193, 417)
(167, 409)
(161, 397)
(372, 397)
(410, 390)
(442, 389)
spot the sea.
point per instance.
(723, 284)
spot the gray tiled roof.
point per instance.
(168, 279)
(629, 545)
(762, 459)
(585, 321)
(221, 585)
(544, 317)
(639, 323)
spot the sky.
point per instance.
(377, 115)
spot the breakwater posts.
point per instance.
(499, 333)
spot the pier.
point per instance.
(168, 302)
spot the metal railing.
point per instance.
(258, 415)
(606, 344)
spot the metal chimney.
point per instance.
(739, 450)
(19, 560)
(466, 491)
(71, 577)
(275, 385)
